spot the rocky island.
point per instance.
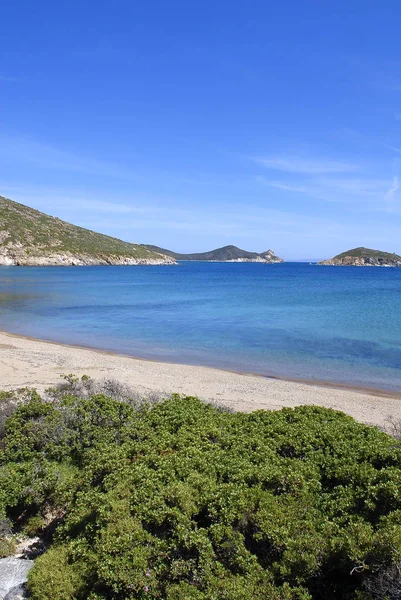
(29, 237)
(224, 254)
(364, 257)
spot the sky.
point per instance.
(192, 125)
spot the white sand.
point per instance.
(34, 363)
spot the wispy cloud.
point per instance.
(300, 165)
(21, 150)
(8, 78)
(336, 181)
(395, 186)
(354, 191)
(288, 187)
(393, 148)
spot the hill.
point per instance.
(30, 237)
(364, 257)
(224, 254)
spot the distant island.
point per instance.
(364, 257)
(29, 237)
(225, 254)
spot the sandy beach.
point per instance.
(35, 363)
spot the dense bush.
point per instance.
(180, 500)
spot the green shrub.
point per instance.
(8, 547)
(54, 577)
(181, 500)
(34, 526)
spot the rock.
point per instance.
(6, 261)
(30, 548)
(356, 261)
(258, 259)
(13, 575)
(20, 592)
(67, 259)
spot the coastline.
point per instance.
(30, 362)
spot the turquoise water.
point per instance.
(336, 324)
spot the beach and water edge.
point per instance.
(31, 362)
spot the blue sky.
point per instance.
(192, 125)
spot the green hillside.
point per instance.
(26, 232)
(368, 253)
(220, 254)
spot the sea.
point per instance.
(340, 325)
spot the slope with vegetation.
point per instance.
(179, 500)
(30, 237)
(364, 257)
(225, 254)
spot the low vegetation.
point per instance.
(24, 228)
(369, 253)
(176, 499)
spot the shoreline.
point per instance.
(312, 382)
(30, 362)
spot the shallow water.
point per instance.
(336, 324)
